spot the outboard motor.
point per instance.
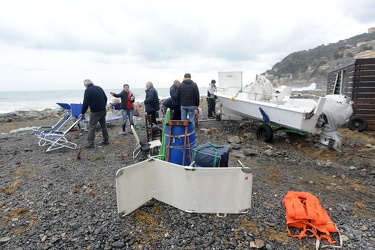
(337, 111)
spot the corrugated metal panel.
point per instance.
(358, 82)
(364, 90)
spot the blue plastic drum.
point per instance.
(179, 151)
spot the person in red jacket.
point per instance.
(127, 107)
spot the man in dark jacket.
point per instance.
(152, 101)
(127, 100)
(96, 100)
(188, 96)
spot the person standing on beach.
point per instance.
(152, 101)
(188, 97)
(127, 100)
(211, 99)
(175, 103)
(95, 99)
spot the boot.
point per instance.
(123, 129)
(130, 131)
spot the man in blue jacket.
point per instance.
(96, 100)
(152, 101)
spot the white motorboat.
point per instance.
(283, 111)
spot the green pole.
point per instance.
(162, 151)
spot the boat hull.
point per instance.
(301, 114)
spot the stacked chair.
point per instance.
(153, 132)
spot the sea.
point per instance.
(11, 101)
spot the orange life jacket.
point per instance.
(303, 211)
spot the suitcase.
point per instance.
(211, 155)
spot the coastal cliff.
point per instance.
(301, 68)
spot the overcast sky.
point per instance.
(47, 45)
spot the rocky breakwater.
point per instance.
(25, 119)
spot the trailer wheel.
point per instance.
(357, 123)
(264, 132)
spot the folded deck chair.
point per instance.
(76, 109)
(50, 129)
(143, 146)
(58, 139)
(47, 129)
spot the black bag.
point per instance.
(211, 155)
(145, 146)
(168, 103)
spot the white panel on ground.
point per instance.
(199, 190)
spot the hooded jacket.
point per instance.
(188, 93)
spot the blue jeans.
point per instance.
(188, 113)
(125, 114)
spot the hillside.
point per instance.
(304, 67)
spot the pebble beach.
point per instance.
(66, 199)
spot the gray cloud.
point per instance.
(163, 38)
